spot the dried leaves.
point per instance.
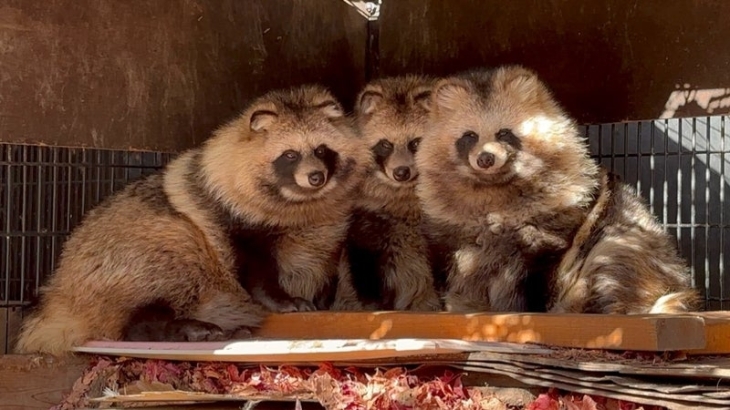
(335, 388)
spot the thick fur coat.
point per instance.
(263, 202)
(386, 263)
(622, 261)
(506, 183)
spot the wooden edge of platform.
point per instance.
(592, 331)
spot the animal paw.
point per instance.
(294, 305)
(241, 333)
(191, 330)
(536, 240)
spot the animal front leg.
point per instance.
(262, 280)
(536, 240)
(268, 292)
(157, 323)
(468, 282)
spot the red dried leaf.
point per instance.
(544, 402)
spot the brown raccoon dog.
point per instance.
(386, 266)
(622, 261)
(263, 202)
(506, 181)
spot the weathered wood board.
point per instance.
(619, 332)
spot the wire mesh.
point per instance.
(45, 192)
(678, 167)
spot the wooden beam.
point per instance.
(613, 332)
(717, 333)
(37, 382)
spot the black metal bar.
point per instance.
(723, 181)
(372, 51)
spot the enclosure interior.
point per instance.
(95, 93)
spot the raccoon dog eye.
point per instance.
(465, 143)
(386, 145)
(291, 155)
(470, 137)
(413, 145)
(505, 134)
(320, 151)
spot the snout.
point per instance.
(485, 160)
(402, 173)
(400, 167)
(311, 178)
(317, 179)
(489, 159)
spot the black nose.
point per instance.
(485, 160)
(316, 178)
(402, 174)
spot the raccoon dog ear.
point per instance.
(369, 100)
(262, 119)
(422, 97)
(331, 109)
(449, 94)
(518, 80)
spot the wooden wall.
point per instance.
(161, 75)
(606, 60)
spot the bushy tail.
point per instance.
(676, 302)
(51, 331)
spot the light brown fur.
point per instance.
(126, 253)
(501, 228)
(512, 217)
(166, 238)
(386, 247)
(308, 227)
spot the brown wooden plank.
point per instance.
(620, 332)
(36, 382)
(717, 333)
(606, 60)
(161, 76)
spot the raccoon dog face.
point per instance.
(495, 126)
(291, 155)
(302, 135)
(392, 114)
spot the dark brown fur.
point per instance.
(386, 265)
(622, 261)
(176, 242)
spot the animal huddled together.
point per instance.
(473, 192)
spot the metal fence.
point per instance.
(679, 167)
(45, 191)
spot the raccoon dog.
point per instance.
(506, 182)
(622, 261)
(386, 255)
(260, 199)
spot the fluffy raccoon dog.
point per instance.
(386, 266)
(262, 202)
(622, 261)
(506, 182)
